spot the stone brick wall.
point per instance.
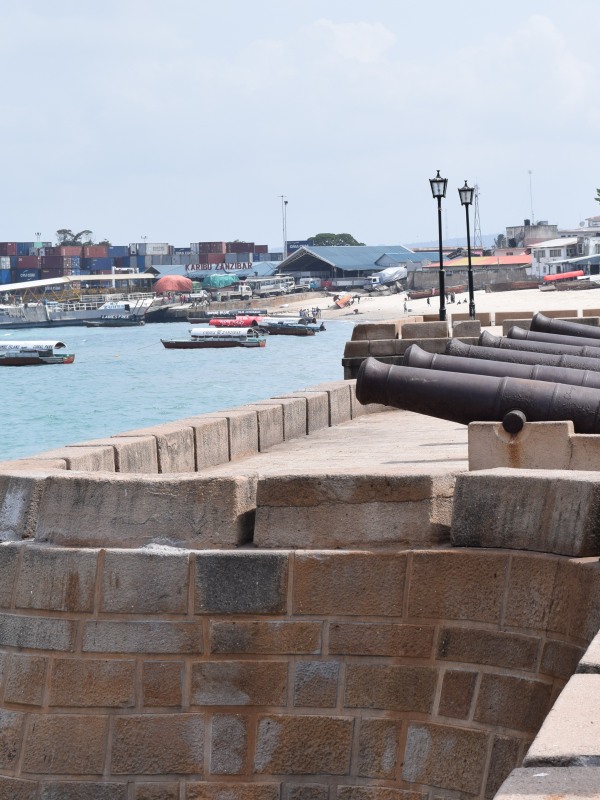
(169, 674)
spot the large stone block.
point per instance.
(242, 430)
(379, 743)
(503, 759)
(425, 330)
(445, 757)
(241, 583)
(566, 783)
(294, 415)
(162, 683)
(131, 454)
(174, 445)
(545, 510)
(381, 639)
(133, 636)
(37, 633)
(156, 745)
(56, 579)
(84, 459)
(317, 408)
(390, 688)
(366, 331)
(470, 327)
(133, 511)
(560, 659)
(17, 789)
(467, 585)
(157, 791)
(350, 510)
(9, 561)
(142, 582)
(92, 682)
(277, 637)
(11, 728)
(270, 424)
(343, 583)
(65, 744)
(536, 446)
(316, 683)
(84, 790)
(20, 496)
(531, 591)
(229, 744)
(211, 438)
(232, 791)
(26, 680)
(303, 745)
(489, 648)
(338, 393)
(458, 689)
(239, 683)
(519, 704)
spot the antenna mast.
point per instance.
(477, 239)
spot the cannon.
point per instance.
(489, 340)
(477, 398)
(414, 356)
(552, 338)
(544, 324)
(457, 348)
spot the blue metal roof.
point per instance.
(356, 257)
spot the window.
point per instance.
(541, 254)
(555, 252)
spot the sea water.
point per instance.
(124, 379)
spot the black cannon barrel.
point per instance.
(489, 340)
(545, 324)
(457, 348)
(476, 398)
(414, 356)
(552, 338)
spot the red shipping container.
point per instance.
(261, 248)
(95, 251)
(64, 250)
(215, 258)
(8, 248)
(240, 247)
(212, 247)
(28, 261)
(47, 272)
(52, 262)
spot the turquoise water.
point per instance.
(123, 379)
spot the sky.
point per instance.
(187, 120)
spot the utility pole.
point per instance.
(284, 203)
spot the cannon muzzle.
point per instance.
(489, 340)
(544, 324)
(552, 338)
(414, 356)
(477, 398)
(457, 348)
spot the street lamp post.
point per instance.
(466, 198)
(438, 190)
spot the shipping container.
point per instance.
(182, 251)
(28, 261)
(4, 262)
(20, 275)
(212, 247)
(244, 258)
(50, 272)
(6, 277)
(97, 264)
(240, 247)
(118, 251)
(194, 247)
(230, 258)
(153, 249)
(64, 250)
(75, 262)
(95, 251)
(23, 248)
(261, 248)
(8, 248)
(52, 262)
(215, 258)
(133, 249)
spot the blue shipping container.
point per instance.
(97, 264)
(26, 274)
(5, 276)
(23, 248)
(118, 251)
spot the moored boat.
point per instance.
(240, 321)
(24, 354)
(116, 321)
(201, 338)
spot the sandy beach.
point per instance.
(375, 308)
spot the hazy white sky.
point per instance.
(184, 120)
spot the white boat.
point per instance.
(23, 354)
(217, 337)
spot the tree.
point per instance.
(66, 237)
(597, 198)
(334, 240)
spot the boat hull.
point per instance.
(35, 360)
(184, 344)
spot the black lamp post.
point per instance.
(438, 190)
(466, 198)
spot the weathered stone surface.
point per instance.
(17, 789)
(142, 582)
(78, 790)
(157, 791)
(317, 408)
(211, 437)
(378, 793)
(590, 661)
(241, 583)
(528, 510)
(303, 745)
(37, 633)
(468, 327)
(133, 511)
(84, 459)
(232, 791)
(131, 454)
(239, 683)
(338, 393)
(65, 744)
(503, 759)
(366, 331)
(551, 783)
(11, 726)
(242, 430)
(9, 558)
(484, 317)
(390, 687)
(174, 446)
(153, 636)
(294, 415)
(229, 744)
(270, 424)
(531, 591)
(380, 639)
(569, 734)
(458, 689)
(560, 659)
(536, 446)
(468, 585)
(424, 330)
(20, 496)
(342, 583)
(56, 579)
(519, 704)
(476, 646)
(306, 791)
(316, 683)
(156, 745)
(378, 753)
(265, 637)
(92, 682)
(445, 757)
(26, 679)
(162, 683)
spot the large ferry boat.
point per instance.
(48, 315)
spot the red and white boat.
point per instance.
(25, 354)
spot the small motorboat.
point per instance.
(240, 321)
(116, 321)
(201, 338)
(25, 354)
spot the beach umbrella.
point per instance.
(173, 283)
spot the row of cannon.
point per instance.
(550, 372)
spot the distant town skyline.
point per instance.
(191, 119)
